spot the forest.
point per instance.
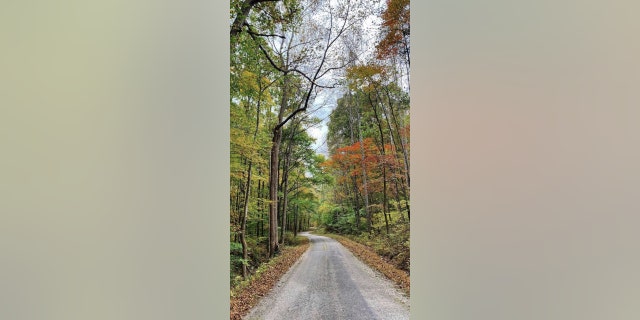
(299, 67)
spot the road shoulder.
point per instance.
(245, 298)
(375, 261)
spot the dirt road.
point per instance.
(328, 282)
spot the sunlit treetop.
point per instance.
(363, 76)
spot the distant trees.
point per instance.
(369, 130)
(370, 169)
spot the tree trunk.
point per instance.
(295, 221)
(406, 199)
(397, 196)
(384, 165)
(403, 141)
(364, 172)
(243, 226)
(274, 170)
(356, 207)
(261, 207)
(285, 183)
(273, 193)
(285, 197)
(387, 116)
(245, 213)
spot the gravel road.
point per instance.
(328, 282)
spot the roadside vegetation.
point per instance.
(245, 294)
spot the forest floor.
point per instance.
(375, 261)
(247, 295)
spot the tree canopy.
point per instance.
(287, 57)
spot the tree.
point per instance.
(297, 156)
(312, 65)
(373, 109)
(249, 92)
(396, 30)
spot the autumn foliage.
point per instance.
(347, 163)
(395, 28)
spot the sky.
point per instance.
(323, 106)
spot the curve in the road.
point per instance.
(328, 282)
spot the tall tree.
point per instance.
(395, 33)
(311, 64)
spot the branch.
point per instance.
(254, 2)
(338, 67)
(312, 81)
(301, 109)
(273, 64)
(253, 35)
(330, 43)
(261, 34)
(284, 71)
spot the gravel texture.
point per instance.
(328, 282)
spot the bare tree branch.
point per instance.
(330, 43)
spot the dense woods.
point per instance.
(290, 60)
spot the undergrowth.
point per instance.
(246, 293)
